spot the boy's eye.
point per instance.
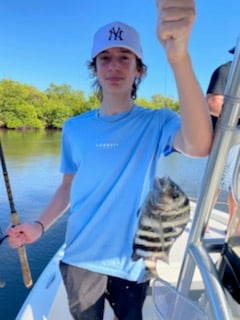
(107, 57)
(104, 57)
(125, 57)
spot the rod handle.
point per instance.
(26, 273)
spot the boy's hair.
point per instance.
(142, 68)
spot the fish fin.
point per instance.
(148, 275)
(151, 263)
(165, 258)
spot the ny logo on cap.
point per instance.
(115, 34)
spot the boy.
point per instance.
(109, 158)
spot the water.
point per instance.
(32, 160)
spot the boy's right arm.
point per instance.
(28, 233)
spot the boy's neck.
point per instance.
(115, 106)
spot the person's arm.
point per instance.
(216, 87)
(215, 103)
(175, 19)
(28, 233)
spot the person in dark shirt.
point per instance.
(215, 97)
(215, 91)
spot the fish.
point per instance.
(163, 217)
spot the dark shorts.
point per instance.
(88, 290)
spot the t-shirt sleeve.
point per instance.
(67, 164)
(171, 125)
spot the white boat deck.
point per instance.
(43, 302)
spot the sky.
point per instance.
(49, 41)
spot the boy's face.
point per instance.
(116, 69)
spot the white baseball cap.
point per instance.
(117, 34)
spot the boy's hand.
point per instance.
(175, 20)
(22, 234)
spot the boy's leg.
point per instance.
(126, 298)
(85, 291)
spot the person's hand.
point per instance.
(175, 20)
(22, 234)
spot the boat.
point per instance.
(199, 282)
(48, 299)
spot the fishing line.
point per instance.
(3, 238)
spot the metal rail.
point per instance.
(227, 135)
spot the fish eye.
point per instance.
(175, 194)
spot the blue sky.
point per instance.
(49, 41)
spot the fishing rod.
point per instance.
(2, 282)
(27, 278)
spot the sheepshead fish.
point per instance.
(163, 217)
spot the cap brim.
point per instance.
(94, 54)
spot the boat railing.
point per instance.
(215, 299)
(197, 253)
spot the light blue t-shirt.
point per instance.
(114, 159)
